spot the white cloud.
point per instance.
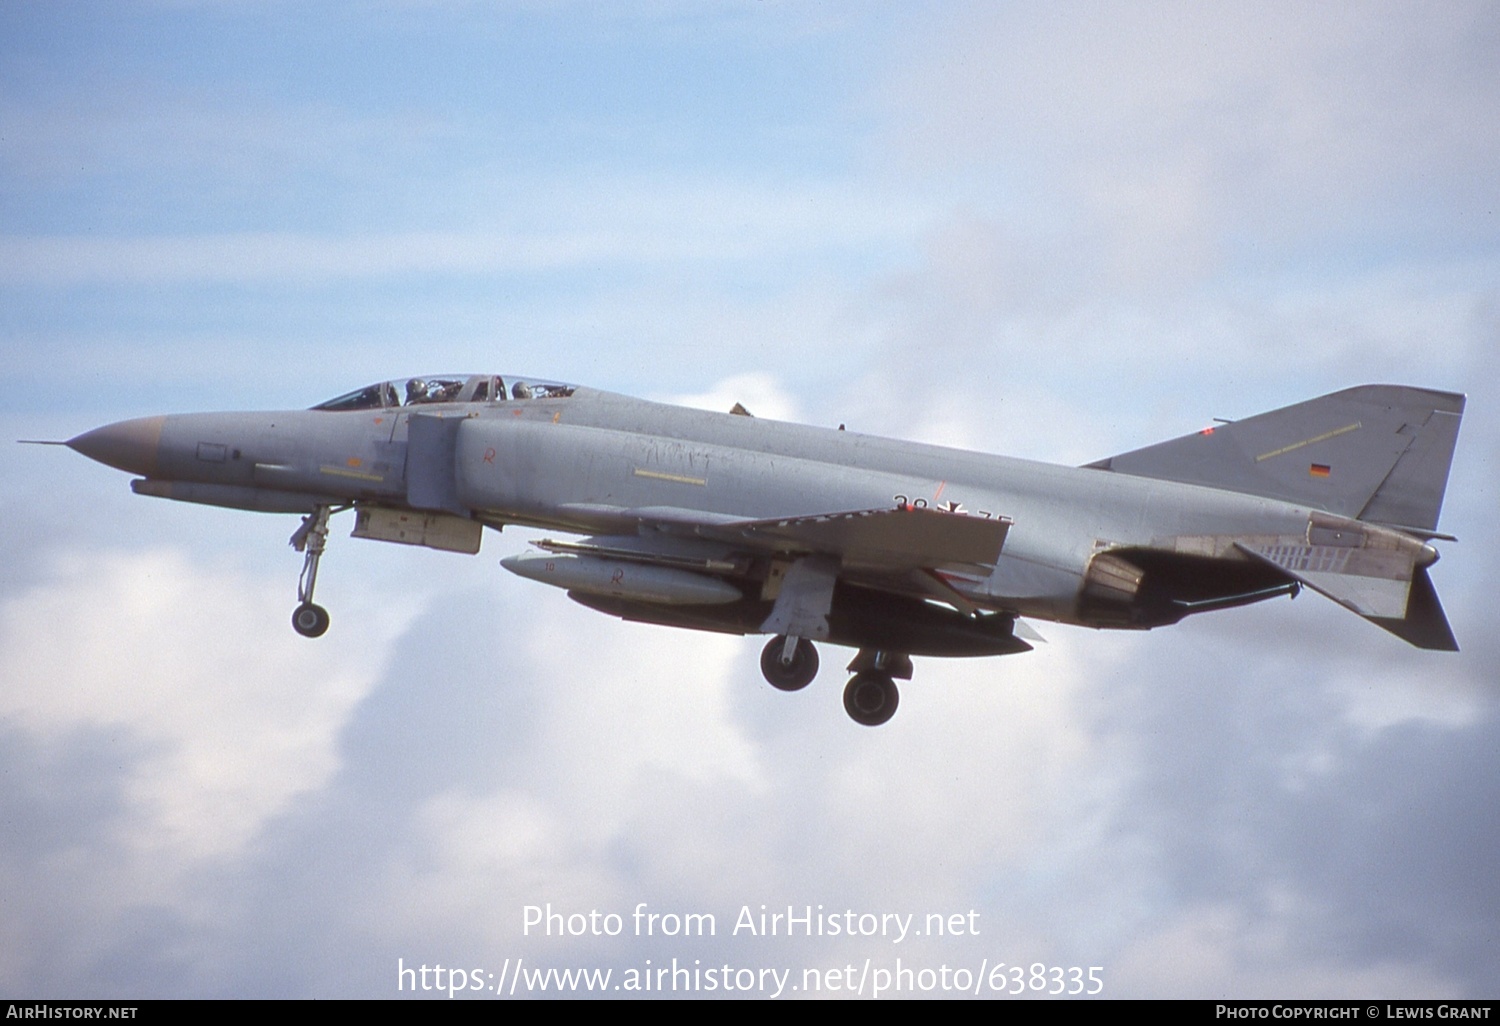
(1226, 952)
(1145, 147)
(758, 392)
(642, 784)
(148, 645)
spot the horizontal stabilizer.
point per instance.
(1381, 585)
(1378, 453)
(1425, 625)
(1370, 582)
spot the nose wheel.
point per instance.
(310, 619)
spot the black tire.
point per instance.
(794, 676)
(309, 620)
(870, 698)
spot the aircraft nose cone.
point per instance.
(130, 445)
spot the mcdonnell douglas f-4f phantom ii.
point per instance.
(747, 526)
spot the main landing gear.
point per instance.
(870, 697)
(309, 619)
(789, 664)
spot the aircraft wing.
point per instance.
(907, 550)
(885, 539)
(895, 539)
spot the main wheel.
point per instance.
(310, 620)
(793, 676)
(871, 698)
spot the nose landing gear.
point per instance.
(309, 619)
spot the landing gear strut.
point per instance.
(308, 619)
(789, 664)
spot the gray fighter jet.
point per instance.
(731, 523)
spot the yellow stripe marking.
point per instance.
(678, 478)
(1309, 441)
(357, 475)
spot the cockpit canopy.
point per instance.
(445, 388)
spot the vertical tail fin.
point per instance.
(1378, 453)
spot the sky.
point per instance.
(1056, 231)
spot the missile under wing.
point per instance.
(730, 523)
